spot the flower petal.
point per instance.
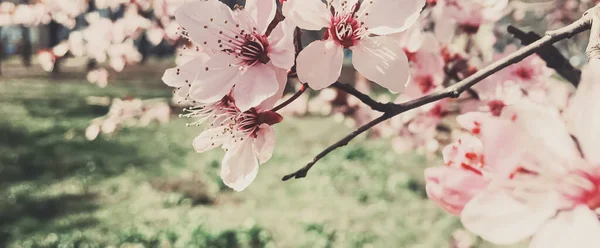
(203, 19)
(501, 219)
(390, 16)
(452, 188)
(265, 143)
(281, 42)
(320, 63)
(575, 228)
(215, 79)
(262, 12)
(209, 139)
(549, 144)
(186, 73)
(583, 116)
(307, 14)
(255, 85)
(282, 78)
(382, 60)
(240, 166)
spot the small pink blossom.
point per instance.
(247, 138)
(350, 25)
(244, 56)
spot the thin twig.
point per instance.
(293, 98)
(457, 89)
(550, 54)
(375, 105)
(343, 142)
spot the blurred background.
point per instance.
(93, 154)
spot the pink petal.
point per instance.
(195, 16)
(574, 228)
(262, 12)
(269, 103)
(583, 116)
(501, 219)
(255, 85)
(215, 79)
(452, 188)
(240, 166)
(281, 42)
(382, 60)
(265, 143)
(209, 139)
(391, 16)
(307, 14)
(549, 144)
(186, 73)
(504, 145)
(320, 64)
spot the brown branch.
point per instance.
(550, 54)
(375, 105)
(343, 142)
(457, 89)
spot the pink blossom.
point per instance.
(553, 197)
(245, 55)
(350, 25)
(247, 138)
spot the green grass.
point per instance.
(147, 186)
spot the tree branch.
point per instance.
(457, 89)
(375, 105)
(550, 54)
(343, 142)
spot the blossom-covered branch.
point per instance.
(457, 89)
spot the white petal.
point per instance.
(212, 84)
(320, 63)
(281, 42)
(307, 14)
(391, 16)
(575, 228)
(382, 60)
(254, 86)
(195, 16)
(265, 143)
(262, 12)
(500, 219)
(209, 139)
(240, 166)
(186, 73)
(583, 116)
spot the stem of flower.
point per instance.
(293, 98)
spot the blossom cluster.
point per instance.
(236, 68)
(127, 112)
(528, 172)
